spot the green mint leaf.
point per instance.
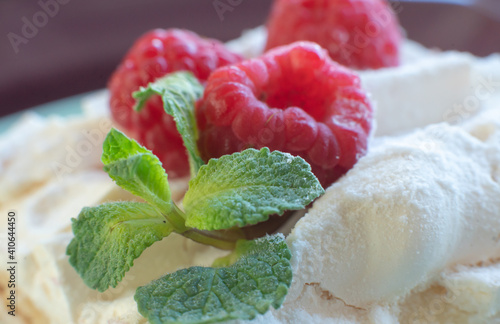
(258, 279)
(117, 146)
(108, 239)
(136, 169)
(245, 188)
(179, 92)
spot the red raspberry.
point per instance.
(294, 99)
(360, 34)
(155, 54)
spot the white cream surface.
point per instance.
(412, 207)
(421, 92)
(410, 235)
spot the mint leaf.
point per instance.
(136, 169)
(259, 279)
(108, 239)
(179, 92)
(245, 188)
(117, 146)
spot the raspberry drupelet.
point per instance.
(361, 34)
(156, 54)
(293, 99)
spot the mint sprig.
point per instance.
(251, 197)
(245, 188)
(179, 92)
(224, 195)
(259, 278)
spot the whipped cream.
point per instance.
(409, 209)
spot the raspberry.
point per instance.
(361, 34)
(294, 99)
(156, 54)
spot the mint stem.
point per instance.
(177, 218)
(224, 239)
(211, 238)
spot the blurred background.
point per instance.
(51, 49)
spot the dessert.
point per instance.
(428, 253)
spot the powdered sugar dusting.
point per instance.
(404, 213)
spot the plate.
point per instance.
(63, 107)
